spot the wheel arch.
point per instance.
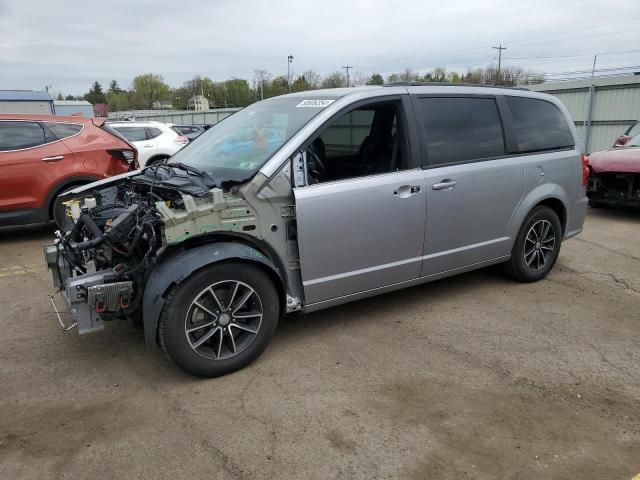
(178, 264)
(157, 157)
(549, 195)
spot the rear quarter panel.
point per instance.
(90, 151)
(562, 180)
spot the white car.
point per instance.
(155, 141)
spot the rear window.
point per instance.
(19, 135)
(63, 130)
(539, 125)
(459, 129)
(153, 132)
(133, 134)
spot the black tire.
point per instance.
(517, 266)
(172, 329)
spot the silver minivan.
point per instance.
(313, 199)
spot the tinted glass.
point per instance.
(346, 134)
(17, 135)
(154, 132)
(459, 129)
(133, 134)
(63, 130)
(538, 125)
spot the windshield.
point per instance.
(634, 142)
(237, 147)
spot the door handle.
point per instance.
(444, 185)
(406, 191)
(52, 159)
(148, 145)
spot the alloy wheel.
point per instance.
(223, 319)
(539, 245)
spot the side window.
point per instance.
(346, 134)
(461, 128)
(133, 134)
(366, 141)
(153, 132)
(539, 125)
(63, 130)
(19, 135)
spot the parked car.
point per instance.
(42, 156)
(615, 175)
(155, 141)
(368, 190)
(192, 131)
(632, 131)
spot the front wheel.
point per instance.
(220, 319)
(537, 246)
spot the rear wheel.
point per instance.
(220, 319)
(537, 246)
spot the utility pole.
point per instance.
(347, 67)
(499, 48)
(289, 62)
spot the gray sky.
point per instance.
(69, 44)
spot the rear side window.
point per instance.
(19, 135)
(133, 134)
(153, 132)
(539, 125)
(63, 130)
(458, 129)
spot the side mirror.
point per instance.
(621, 141)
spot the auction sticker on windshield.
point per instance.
(314, 103)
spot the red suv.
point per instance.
(42, 156)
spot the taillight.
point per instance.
(585, 170)
(181, 139)
(130, 157)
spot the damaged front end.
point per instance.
(116, 230)
(614, 188)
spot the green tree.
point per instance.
(59, 97)
(114, 87)
(277, 86)
(375, 79)
(334, 80)
(300, 84)
(95, 94)
(394, 77)
(118, 101)
(237, 93)
(312, 78)
(69, 97)
(147, 89)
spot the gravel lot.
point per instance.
(469, 377)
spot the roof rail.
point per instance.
(445, 84)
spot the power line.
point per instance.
(499, 48)
(347, 67)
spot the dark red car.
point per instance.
(615, 175)
(42, 156)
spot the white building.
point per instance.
(198, 102)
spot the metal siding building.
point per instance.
(616, 105)
(26, 101)
(71, 107)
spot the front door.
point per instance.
(361, 217)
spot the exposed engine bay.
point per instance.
(113, 236)
(614, 188)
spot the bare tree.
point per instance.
(260, 76)
(313, 79)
